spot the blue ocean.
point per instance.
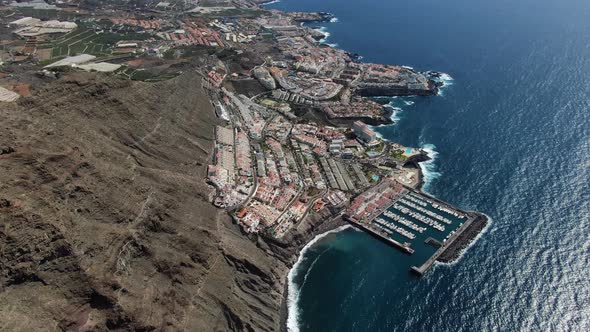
(509, 136)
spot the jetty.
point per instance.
(420, 270)
(398, 215)
(383, 236)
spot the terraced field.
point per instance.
(85, 40)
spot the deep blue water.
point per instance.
(513, 139)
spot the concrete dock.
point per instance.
(382, 236)
(428, 264)
(413, 212)
(434, 242)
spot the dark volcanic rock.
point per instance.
(395, 90)
(465, 238)
(6, 150)
(4, 203)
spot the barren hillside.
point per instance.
(104, 222)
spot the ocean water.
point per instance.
(511, 138)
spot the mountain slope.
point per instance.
(104, 219)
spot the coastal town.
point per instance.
(295, 133)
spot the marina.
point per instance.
(419, 217)
(410, 221)
(385, 225)
(405, 222)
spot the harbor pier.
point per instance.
(380, 235)
(430, 261)
(401, 216)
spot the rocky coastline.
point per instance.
(105, 212)
(387, 90)
(312, 17)
(315, 226)
(322, 118)
(288, 249)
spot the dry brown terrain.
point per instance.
(104, 219)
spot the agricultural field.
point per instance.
(89, 41)
(46, 14)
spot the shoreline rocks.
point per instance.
(391, 90)
(454, 251)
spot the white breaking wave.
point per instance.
(327, 34)
(429, 167)
(378, 134)
(477, 237)
(446, 80)
(324, 32)
(334, 20)
(271, 2)
(394, 111)
(408, 102)
(408, 67)
(395, 114)
(293, 291)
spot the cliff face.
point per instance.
(104, 219)
(377, 90)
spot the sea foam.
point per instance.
(378, 134)
(429, 167)
(327, 35)
(446, 81)
(395, 110)
(324, 31)
(293, 291)
(477, 237)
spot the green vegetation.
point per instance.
(265, 147)
(377, 149)
(398, 155)
(141, 75)
(89, 41)
(80, 40)
(215, 3)
(172, 54)
(47, 14)
(268, 102)
(313, 191)
(190, 51)
(271, 103)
